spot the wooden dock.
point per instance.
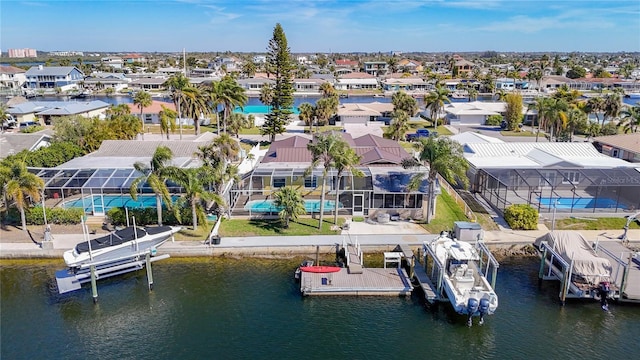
(370, 281)
(631, 287)
(427, 286)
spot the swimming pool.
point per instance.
(259, 109)
(580, 203)
(104, 203)
(268, 206)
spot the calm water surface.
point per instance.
(251, 309)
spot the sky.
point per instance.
(322, 26)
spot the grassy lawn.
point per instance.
(186, 130)
(592, 224)
(447, 212)
(187, 234)
(273, 227)
(250, 131)
(486, 222)
(322, 129)
(516, 133)
(442, 130)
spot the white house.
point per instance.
(472, 113)
(11, 80)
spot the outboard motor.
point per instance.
(472, 307)
(484, 308)
(603, 291)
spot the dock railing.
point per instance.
(616, 276)
(491, 262)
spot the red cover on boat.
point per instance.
(320, 269)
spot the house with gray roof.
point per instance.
(382, 189)
(51, 77)
(44, 111)
(13, 143)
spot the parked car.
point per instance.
(420, 133)
(27, 124)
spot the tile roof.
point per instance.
(8, 69)
(628, 142)
(357, 75)
(154, 108)
(373, 149)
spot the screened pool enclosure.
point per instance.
(562, 190)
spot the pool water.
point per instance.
(258, 109)
(104, 203)
(580, 203)
(268, 206)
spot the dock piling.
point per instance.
(94, 287)
(149, 272)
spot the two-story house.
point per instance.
(376, 68)
(11, 80)
(51, 77)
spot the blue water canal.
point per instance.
(218, 308)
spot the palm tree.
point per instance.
(324, 148)
(630, 119)
(289, 200)
(231, 95)
(344, 159)
(440, 156)
(194, 183)
(19, 185)
(327, 90)
(595, 105)
(194, 102)
(236, 122)
(156, 177)
(435, 100)
(612, 106)
(399, 125)
(142, 99)
(404, 102)
(266, 94)
(167, 121)
(306, 114)
(176, 83)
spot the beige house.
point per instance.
(625, 147)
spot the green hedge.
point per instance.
(494, 120)
(55, 215)
(521, 217)
(148, 216)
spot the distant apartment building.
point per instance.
(22, 53)
(66, 53)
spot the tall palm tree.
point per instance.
(399, 125)
(195, 105)
(176, 83)
(19, 185)
(237, 121)
(344, 160)
(289, 200)
(167, 121)
(405, 102)
(155, 176)
(630, 119)
(324, 148)
(434, 102)
(612, 106)
(194, 184)
(440, 156)
(231, 95)
(306, 114)
(595, 105)
(142, 99)
(227, 147)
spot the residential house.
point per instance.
(571, 177)
(407, 84)
(463, 67)
(113, 61)
(623, 146)
(255, 84)
(134, 58)
(307, 85)
(149, 84)
(151, 113)
(510, 84)
(11, 80)
(51, 77)
(382, 189)
(551, 83)
(376, 68)
(409, 66)
(363, 113)
(43, 111)
(357, 81)
(472, 113)
(168, 71)
(13, 143)
(260, 59)
(100, 81)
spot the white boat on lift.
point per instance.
(117, 245)
(464, 283)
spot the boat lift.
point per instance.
(554, 267)
(431, 279)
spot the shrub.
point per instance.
(521, 217)
(56, 215)
(494, 120)
(148, 216)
